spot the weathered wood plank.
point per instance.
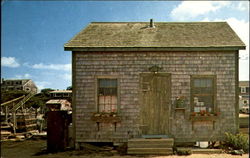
(153, 151)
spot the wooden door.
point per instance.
(155, 103)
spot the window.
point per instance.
(107, 95)
(58, 94)
(66, 94)
(247, 89)
(243, 89)
(203, 93)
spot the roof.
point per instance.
(16, 80)
(64, 104)
(138, 36)
(24, 81)
(57, 101)
(61, 91)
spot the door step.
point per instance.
(150, 151)
(155, 136)
(152, 146)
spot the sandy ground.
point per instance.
(34, 148)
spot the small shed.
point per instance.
(136, 79)
(58, 105)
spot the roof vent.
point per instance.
(151, 23)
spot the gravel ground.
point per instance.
(206, 156)
(34, 148)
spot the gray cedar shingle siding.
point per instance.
(127, 49)
(127, 66)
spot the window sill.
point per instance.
(203, 118)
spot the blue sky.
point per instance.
(33, 33)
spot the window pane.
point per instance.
(102, 83)
(209, 83)
(204, 103)
(107, 103)
(107, 97)
(107, 91)
(208, 90)
(112, 83)
(202, 93)
(107, 83)
(101, 91)
(203, 82)
(196, 90)
(247, 89)
(197, 83)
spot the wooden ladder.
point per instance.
(11, 107)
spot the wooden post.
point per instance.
(6, 113)
(14, 121)
(22, 107)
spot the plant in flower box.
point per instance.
(113, 113)
(202, 112)
(193, 114)
(180, 102)
(217, 113)
(106, 117)
(208, 113)
(96, 114)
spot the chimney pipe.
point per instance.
(151, 23)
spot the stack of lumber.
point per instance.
(5, 130)
(26, 122)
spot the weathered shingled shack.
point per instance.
(135, 79)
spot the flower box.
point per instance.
(203, 118)
(106, 117)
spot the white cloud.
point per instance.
(64, 67)
(241, 28)
(244, 70)
(42, 84)
(191, 9)
(9, 62)
(66, 77)
(243, 5)
(25, 76)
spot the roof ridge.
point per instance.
(14, 79)
(96, 22)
